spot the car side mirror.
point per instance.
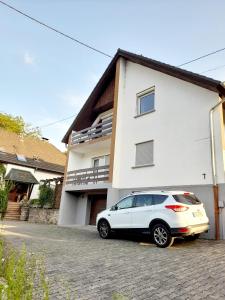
(114, 207)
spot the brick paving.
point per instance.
(84, 266)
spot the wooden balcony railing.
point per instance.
(87, 176)
(101, 129)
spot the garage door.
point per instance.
(98, 203)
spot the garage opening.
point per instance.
(98, 204)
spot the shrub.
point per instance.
(21, 275)
(46, 195)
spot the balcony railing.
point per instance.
(101, 129)
(87, 176)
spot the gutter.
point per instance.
(221, 90)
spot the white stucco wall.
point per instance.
(179, 127)
(38, 174)
(82, 161)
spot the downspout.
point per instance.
(213, 158)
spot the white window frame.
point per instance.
(99, 157)
(138, 101)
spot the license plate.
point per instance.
(197, 214)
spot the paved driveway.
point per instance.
(91, 268)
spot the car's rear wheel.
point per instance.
(161, 236)
(104, 229)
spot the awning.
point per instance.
(21, 176)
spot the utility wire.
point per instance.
(95, 49)
(213, 69)
(56, 30)
(203, 56)
(61, 120)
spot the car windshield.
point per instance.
(189, 199)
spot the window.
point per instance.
(145, 102)
(189, 199)
(144, 154)
(96, 162)
(21, 157)
(158, 199)
(125, 203)
(100, 161)
(143, 200)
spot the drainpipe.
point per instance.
(213, 158)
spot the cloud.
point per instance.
(28, 59)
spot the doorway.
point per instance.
(98, 204)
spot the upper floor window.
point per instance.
(146, 101)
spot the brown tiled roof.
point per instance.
(194, 78)
(38, 153)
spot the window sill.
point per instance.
(146, 113)
(143, 166)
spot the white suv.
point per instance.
(163, 214)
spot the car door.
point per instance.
(142, 211)
(120, 215)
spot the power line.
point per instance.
(213, 69)
(203, 56)
(56, 30)
(55, 122)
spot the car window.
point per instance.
(143, 200)
(189, 199)
(158, 199)
(125, 203)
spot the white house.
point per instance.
(28, 161)
(146, 125)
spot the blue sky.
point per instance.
(45, 77)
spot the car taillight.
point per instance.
(177, 208)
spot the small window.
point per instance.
(144, 154)
(145, 102)
(125, 203)
(143, 200)
(158, 199)
(21, 157)
(96, 162)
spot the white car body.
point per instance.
(182, 219)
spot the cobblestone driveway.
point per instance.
(78, 261)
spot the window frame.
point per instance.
(139, 95)
(144, 165)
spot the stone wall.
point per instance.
(43, 215)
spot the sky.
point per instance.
(45, 77)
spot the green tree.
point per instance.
(18, 125)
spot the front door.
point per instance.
(98, 204)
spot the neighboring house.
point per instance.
(28, 161)
(146, 125)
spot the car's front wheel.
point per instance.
(161, 236)
(104, 229)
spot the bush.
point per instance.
(46, 196)
(21, 275)
(34, 203)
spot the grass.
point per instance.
(22, 275)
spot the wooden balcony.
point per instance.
(101, 129)
(88, 176)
